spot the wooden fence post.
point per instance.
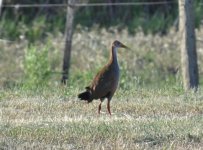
(188, 45)
(68, 39)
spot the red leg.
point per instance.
(108, 107)
(99, 108)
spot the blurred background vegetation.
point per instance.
(152, 18)
(150, 30)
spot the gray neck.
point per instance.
(113, 55)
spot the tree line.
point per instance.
(152, 18)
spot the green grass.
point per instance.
(141, 119)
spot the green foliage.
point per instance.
(34, 23)
(37, 30)
(80, 79)
(128, 80)
(8, 28)
(198, 13)
(36, 67)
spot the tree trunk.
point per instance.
(68, 40)
(188, 45)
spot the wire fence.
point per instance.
(16, 6)
(87, 4)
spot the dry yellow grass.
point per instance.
(143, 119)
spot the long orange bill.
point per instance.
(122, 45)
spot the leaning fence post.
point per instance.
(68, 40)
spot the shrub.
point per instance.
(36, 67)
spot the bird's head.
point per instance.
(118, 44)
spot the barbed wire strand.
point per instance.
(86, 4)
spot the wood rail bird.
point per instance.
(106, 81)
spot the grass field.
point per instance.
(141, 119)
(149, 111)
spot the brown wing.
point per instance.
(104, 82)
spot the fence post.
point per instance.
(188, 45)
(68, 39)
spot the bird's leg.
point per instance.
(108, 106)
(99, 108)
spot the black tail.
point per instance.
(85, 96)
